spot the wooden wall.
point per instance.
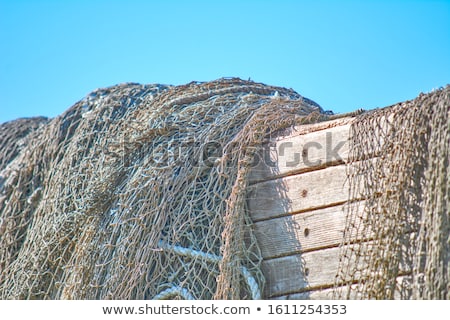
(296, 200)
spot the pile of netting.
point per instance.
(399, 245)
(13, 137)
(138, 192)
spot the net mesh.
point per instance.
(398, 246)
(138, 192)
(13, 137)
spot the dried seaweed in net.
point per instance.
(138, 192)
(398, 246)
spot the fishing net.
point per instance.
(13, 137)
(138, 192)
(399, 245)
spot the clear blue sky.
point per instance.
(342, 54)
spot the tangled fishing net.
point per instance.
(399, 245)
(138, 192)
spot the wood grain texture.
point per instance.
(302, 232)
(327, 294)
(299, 272)
(303, 192)
(309, 271)
(312, 127)
(301, 153)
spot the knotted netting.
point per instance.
(138, 192)
(399, 245)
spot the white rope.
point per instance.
(191, 253)
(186, 252)
(252, 284)
(174, 291)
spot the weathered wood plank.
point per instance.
(301, 232)
(303, 192)
(327, 294)
(299, 272)
(325, 125)
(300, 153)
(320, 294)
(307, 271)
(312, 127)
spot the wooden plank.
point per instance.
(327, 294)
(303, 192)
(300, 153)
(310, 147)
(320, 294)
(305, 272)
(313, 127)
(299, 272)
(301, 232)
